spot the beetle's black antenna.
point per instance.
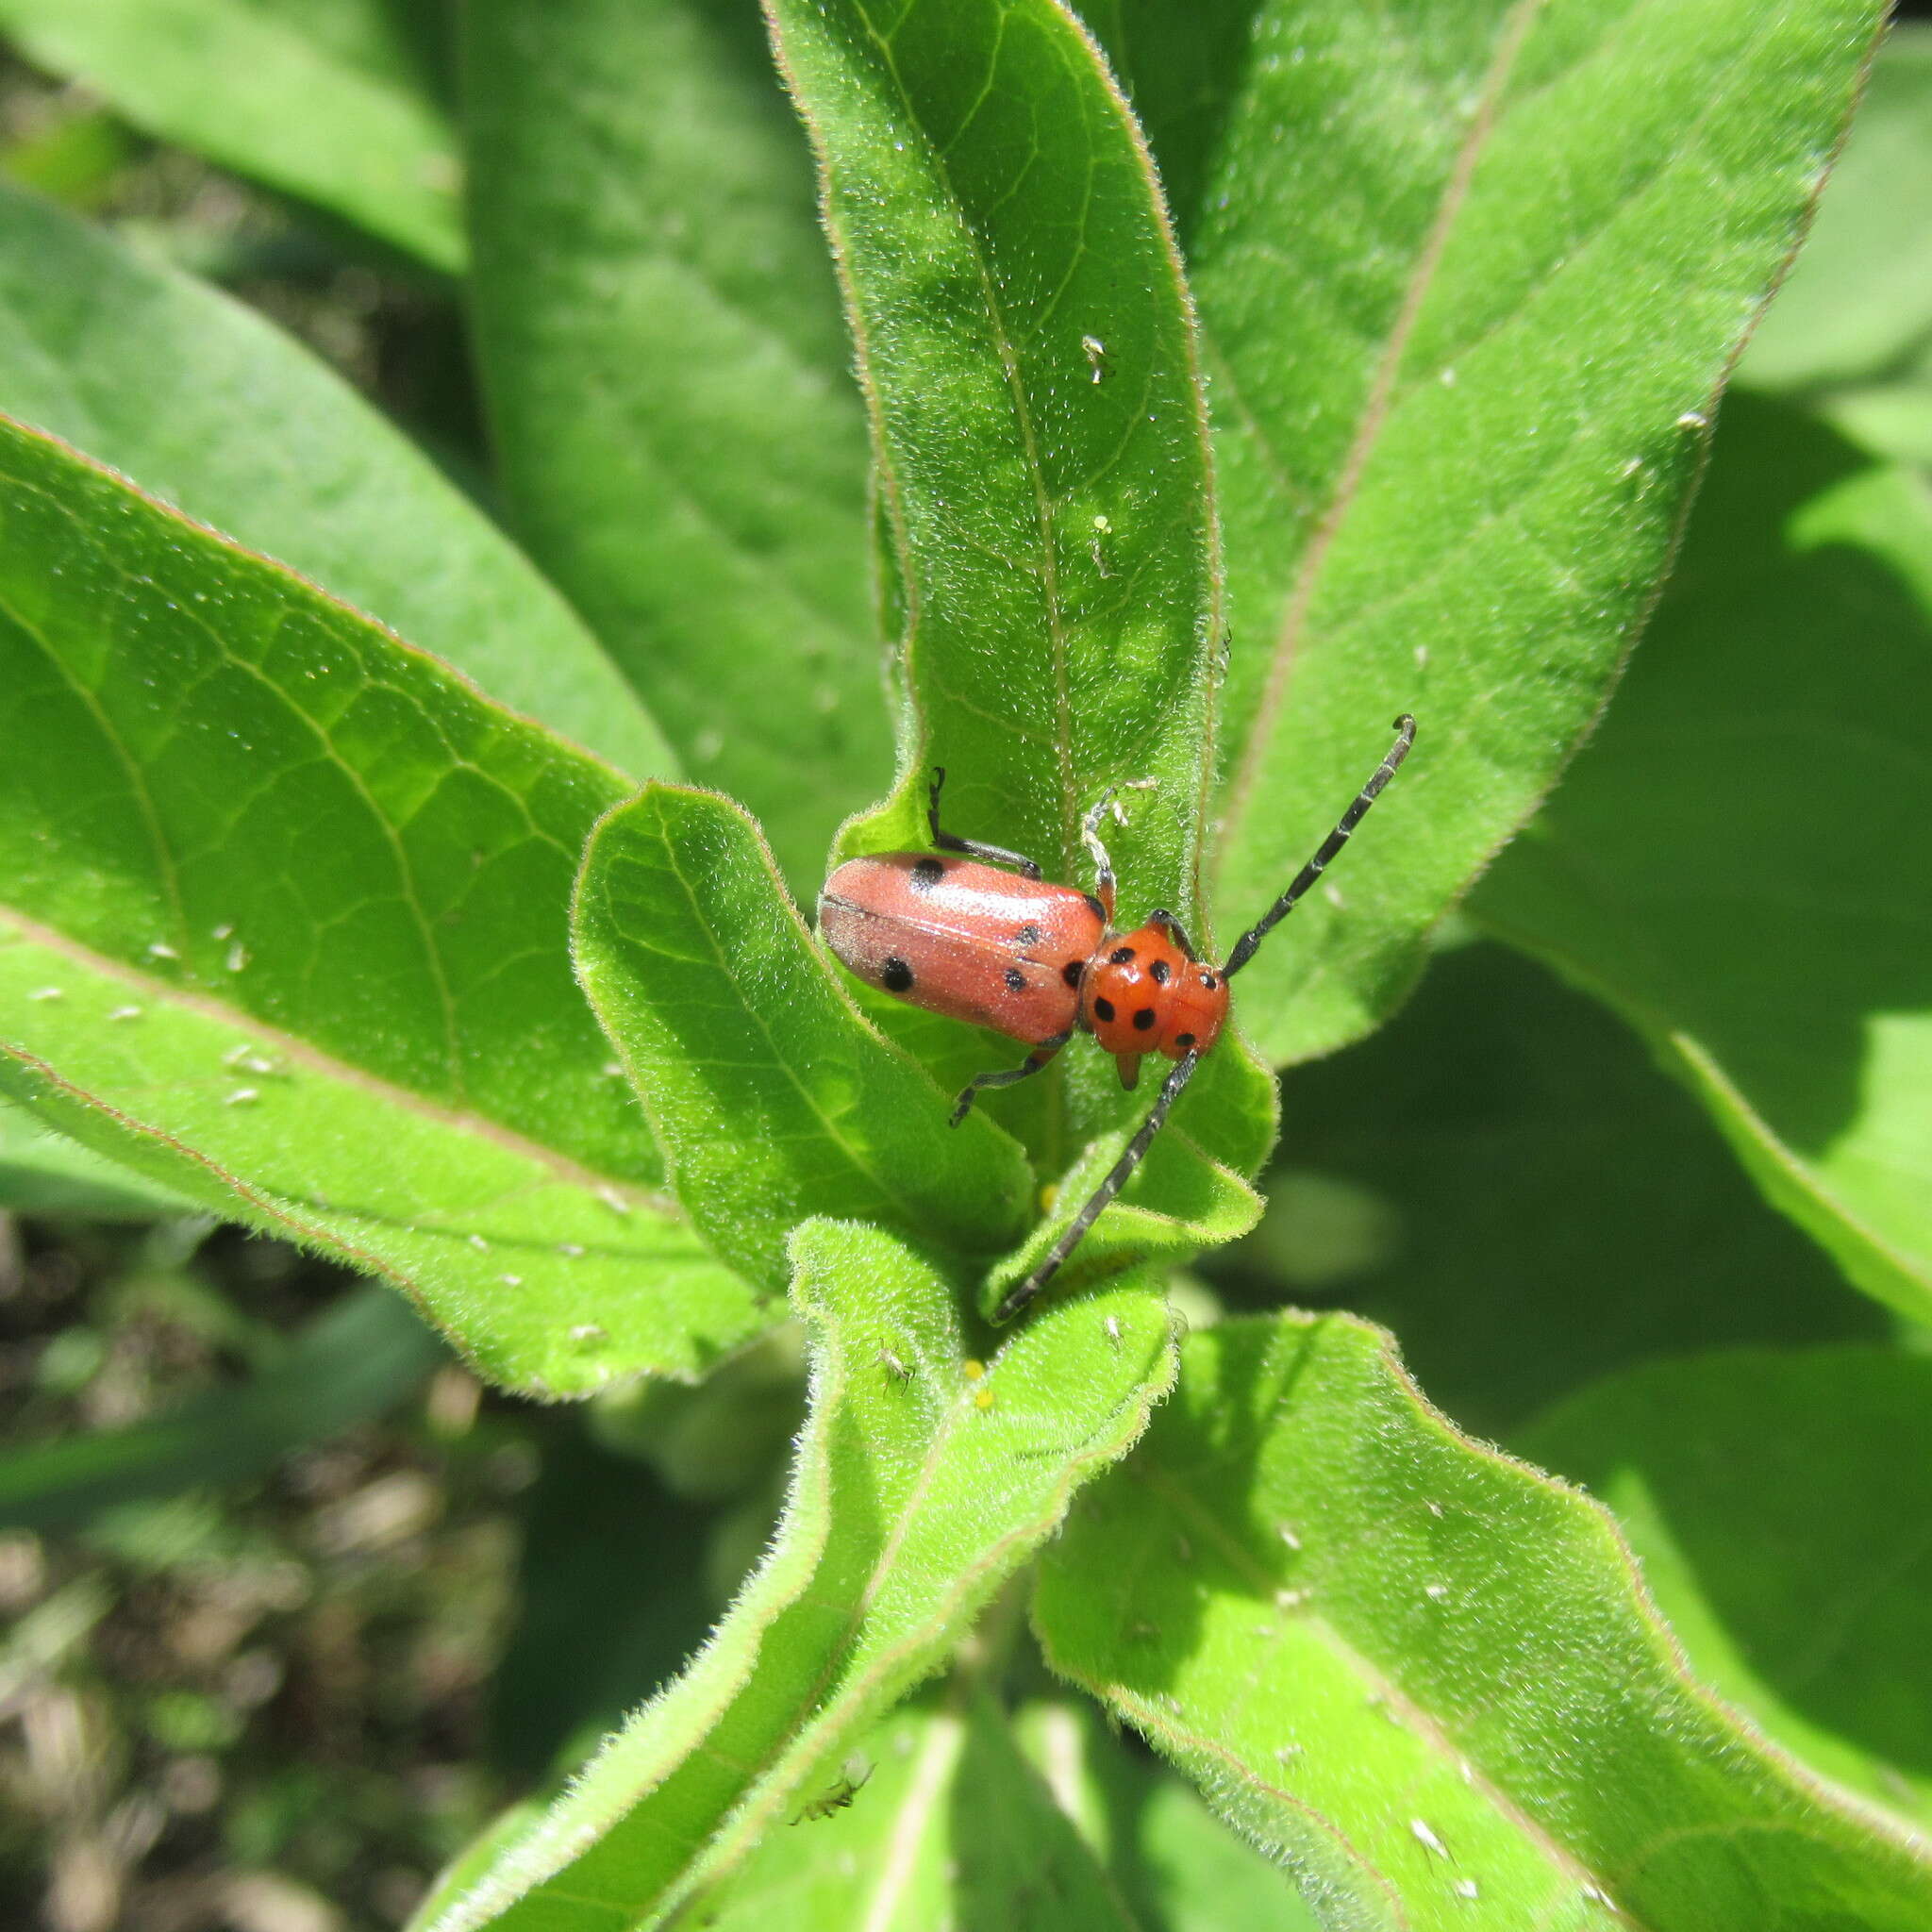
(1170, 1092)
(1249, 941)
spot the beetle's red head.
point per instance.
(1143, 994)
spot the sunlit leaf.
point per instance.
(285, 924)
(1428, 1676)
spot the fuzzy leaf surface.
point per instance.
(210, 407)
(1734, 865)
(259, 89)
(285, 924)
(918, 1488)
(1469, 283)
(1776, 1503)
(771, 1096)
(644, 238)
(1427, 1675)
(357, 1360)
(1027, 356)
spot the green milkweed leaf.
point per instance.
(1026, 353)
(1772, 1499)
(1732, 864)
(1504, 1177)
(1426, 1675)
(921, 1482)
(935, 1819)
(261, 91)
(770, 1094)
(1470, 279)
(284, 925)
(206, 405)
(644, 238)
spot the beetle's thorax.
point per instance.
(1141, 994)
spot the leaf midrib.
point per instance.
(1375, 414)
(306, 1054)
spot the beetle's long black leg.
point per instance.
(1103, 865)
(951, 841)
(1245, 945)
(1123, 1169)
(1174, 930)
(1008, 1077)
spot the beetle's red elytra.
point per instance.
(950, 931)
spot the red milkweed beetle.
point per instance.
(1038, 962)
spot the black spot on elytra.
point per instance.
(1103, 1010)
(1143, 1018)
(1122, 956)
(1071, 970)
(895, 975)
(1184, 1040)
(1016, 980)
(1028, 936)
(1094, 907)
(1160, 972)
(926, 874)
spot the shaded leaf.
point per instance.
(919, 1486)
(646, 241)
(1427, 1675)
(45, 1173)
(206, 406)
(771, 1096)
(608, 1601)
(284, 925)
(1469, 282)
(1776, 1503)
(1859, 303)
(359, 1359)
(258, 90)
(1728, 864)
(1505, 1178)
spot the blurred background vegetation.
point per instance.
(292, 1606)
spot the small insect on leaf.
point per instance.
(852, 1778)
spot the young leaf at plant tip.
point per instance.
(1052, 539)
(960, 1470)
(775, 1098)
